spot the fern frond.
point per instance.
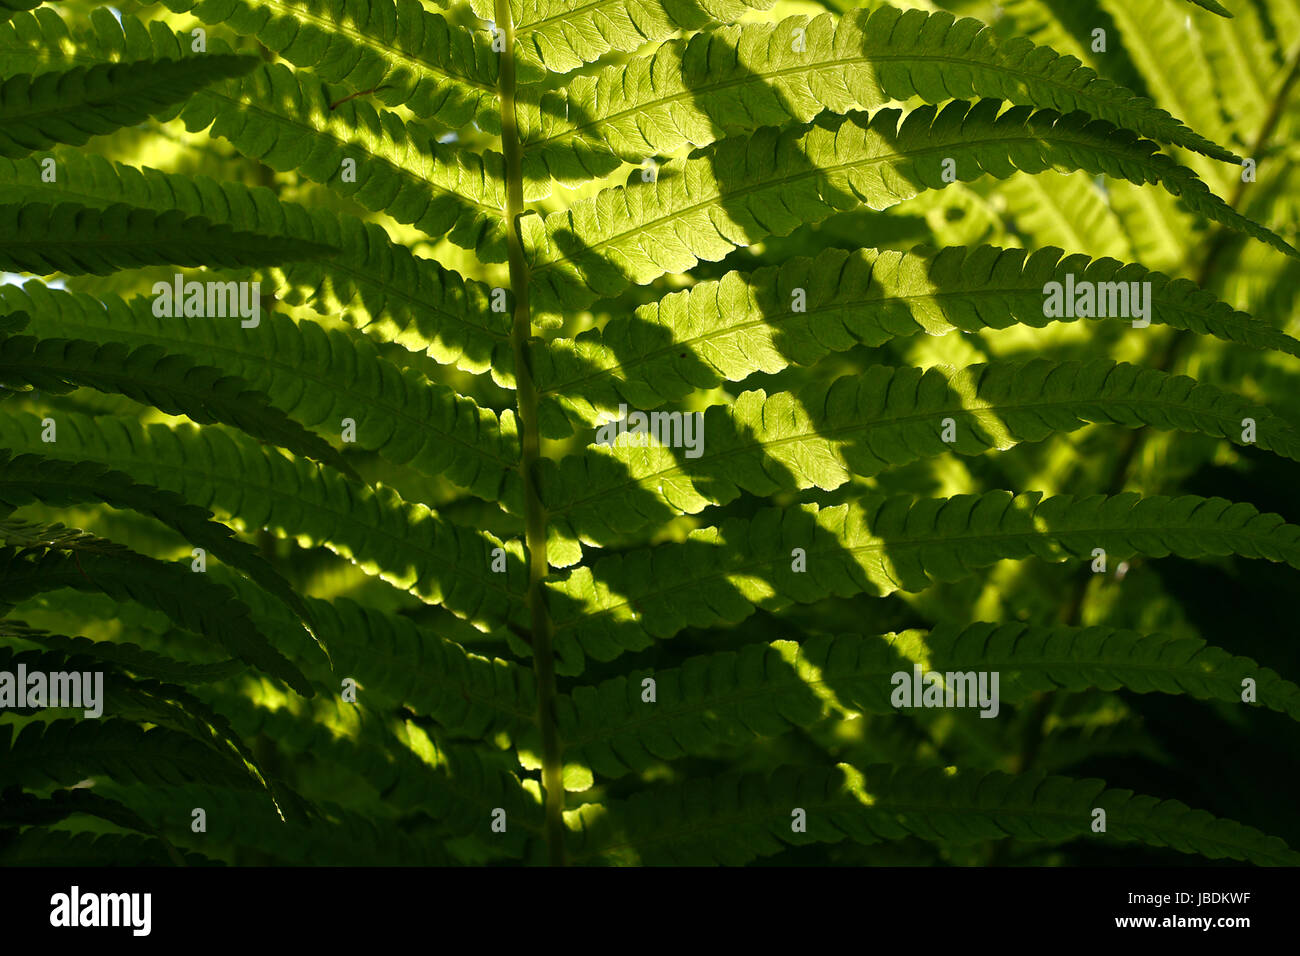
(26, 478)
(879, 545)
(746, 188)
(553, 36)
(1067, 211)
(728, 329)
(406, 299)
(67, 751)
(401, 53)
(1172, 63)
(458, 785)
(865, 423)
(762, 690)
(145, 701)
(408, 545)
(404, 664)
(165, 380)
(125, 656)
(734, 819)
(284, 119)
(188, 599)
(467, 694)
(24, 809)
(767, 74)
(319, 378)
(76, 104)
(241, 827)
(37, 846)
(41, 40)
(41, 238)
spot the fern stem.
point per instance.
(530, 442)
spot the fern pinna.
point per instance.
(517, 431)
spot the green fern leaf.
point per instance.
(734, 819)
(404, 298)
(728, 329)
(746, 188)
(72, 106)
(67, 751)
(731, 697)
(285, 120)
(877, 546)
(408, 545)
(125, 656)
(43, 239)
(36, 846)
(399, 52)
(551, 35)
(741, 78)
(24, 809)
(154, 377)
(865, 423)
(188, 599)
(28, 478)
(319, 378)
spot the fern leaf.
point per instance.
(165, 380)
(1066, 211)
(877, 546)
(74, 105)
(728, 329)
(734, 819)
(746, 188)
(43, 239)
(246, 832)
(27, 478)
(865, 423)
(406, 299)
(458, 785)
(467, 694)
(408, 545)
(40, 41)
(554, 36)
(67, 751)
(284, 120)
(398, 52)
(743, 77)
(25, 809)
(188, 599)
(1169, 58)
(731, 697)
(317, 377)
(125, 656)
(37, 846)
(146, 701)
(1213, 6)
(10, 8)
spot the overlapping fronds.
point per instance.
(590, 419)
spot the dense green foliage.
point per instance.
(366, 579)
